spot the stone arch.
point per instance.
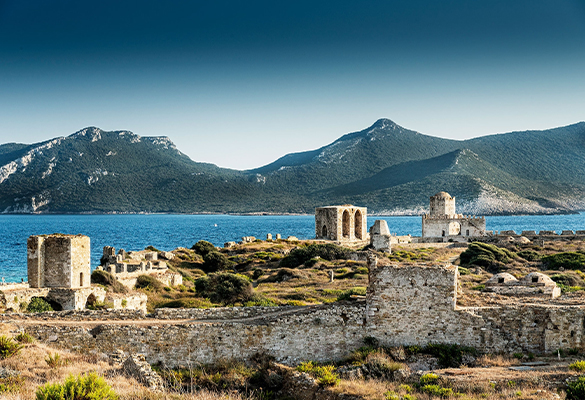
(454, 228)
(91, 300)
(358, 224)
(324, 231)
(345, 224)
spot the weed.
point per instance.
(429, 378)
(576, 389)
(81, 387)
(55, 361)
(436, 390)
(577, 366)
(24, 337)
(8, 347)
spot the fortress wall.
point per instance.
(316, 333)
(218, 313)
(415, 305)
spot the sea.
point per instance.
(169, 231)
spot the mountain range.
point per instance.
(387, 168)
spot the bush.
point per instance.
(449, 355)
(224, 288)
(215, 261)
(55, 360)
(436, 390)
(568, 260)
(82, 387)
(8, 347)
(485, 255)
(258, 300)
(203, 247)
(576, 389)
(302, 254)
(151, 248)
(24, 337)
(325, 374)
(529, 255)
(148, 282)
(99, 277)
(11, 384)
(577, 366)
(38, 304)
(346, 295)
(186, 303)
(429, 378)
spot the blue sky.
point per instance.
(241, 83)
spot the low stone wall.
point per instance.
(314, 333)
(76, 315)
(12, 300)
(219, 313)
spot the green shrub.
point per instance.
(390, 395)
(429, 378)
(224, 288)
(148, 282)
(38, 304)
(529, 255)
(436, 390)
(100, 277)
(186, 303)
(82, 387)
(8, 347)
(325, 374)
(11, 384)
(203, 247)
(576, 389)
(346, 295)
(55, 361)
(449, 355)
(485, 255)
(302, 254)
(257, 273)
(258, 300)
(151, 248)
(568, 260)
(215, 261)
(24, 337)
(577, 366)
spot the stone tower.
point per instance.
(58, 261)
(442, 204)
(345, 223)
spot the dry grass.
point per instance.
(497, 360)
(33, 367)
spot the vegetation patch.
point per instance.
(38, 304)
(8, 347)
(81, 387)
(224, 288)
(566, 260)
(485, 255)
(302, 254)
(325, 374)
(149, 283)
(108, 280)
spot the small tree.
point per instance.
(216, 261)
(224, 288)
(203, 247)
(38, 304)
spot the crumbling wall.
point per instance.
(315, 333)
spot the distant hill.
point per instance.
(385, 167)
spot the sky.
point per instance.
(241, 83)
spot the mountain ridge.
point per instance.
(385, 167)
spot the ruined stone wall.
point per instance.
(315, 333)
(455, 225)
(15, 300)
(341, 223)
(416, 305)
(58, 261)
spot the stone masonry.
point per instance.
(444, 224)
(58, 261)
(343, 224)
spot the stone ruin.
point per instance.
(443, 224)
(534, 284)
(59, 271)
(345, 224)
(126, 267)
(380, 238)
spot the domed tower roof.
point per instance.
(443, 195)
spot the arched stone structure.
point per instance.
(345, 223)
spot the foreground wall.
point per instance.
(312, 333)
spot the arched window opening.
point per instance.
(324, 231)
(81, 279)
(345, 224)
(358, 224)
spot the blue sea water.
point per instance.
(167, 232)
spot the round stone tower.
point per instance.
(442, 204)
